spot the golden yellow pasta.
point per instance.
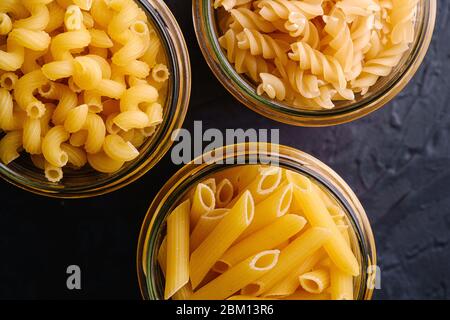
(118, 149)
(203, 201)
(205, 224)
(285, 256)
(316, 281)
(221, 238)
(83, 81)
(238, 277)
(317, 214)
(265, 239)
(293, 255)
(290, 284)
(177, 268)
(271, 208)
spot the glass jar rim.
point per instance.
(177, 56)
(290, 158)
(241, 89)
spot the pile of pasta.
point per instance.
(258, 232)
(312, 53)
(81, 81)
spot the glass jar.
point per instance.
(151, 280)
(87, 182)
(381, 93)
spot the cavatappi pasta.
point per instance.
(312, 53)
(287, 240)
(81, 82)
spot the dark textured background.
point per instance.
(396, 160)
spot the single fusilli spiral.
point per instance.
(262, 45)
(244, 62)
(340, 40)
(320, 64)
(380, 66)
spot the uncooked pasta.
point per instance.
(312, 53)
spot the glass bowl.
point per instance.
(381, 93)
(153, 230)
(87, 182)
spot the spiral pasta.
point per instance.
(244, 62)
(81, 82)
(320, 51)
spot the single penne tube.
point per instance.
(267, 238)
(315, 281)
(271, 208)
(242, 297)
(184, 293)
(177, 268)
(290, 283)
(293, 255)
(205, 225)
(317, 215)
(341, 284)
(203, 201)
(211, 183)
(238, 277)
(221, 238)
(302, 295)
(265, 183)
(224, 193)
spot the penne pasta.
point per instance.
(317, 214)
(271, 208)
(228, 248)
(238, 277)
(224, 193)
(341, 287)
(315, 281)
(290, 284)
(221, 238)
(177, 267)
(205, 225)
(266, 181)
(293, 255)
(203, 201)
(265, 239)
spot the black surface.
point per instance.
(396, 160)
